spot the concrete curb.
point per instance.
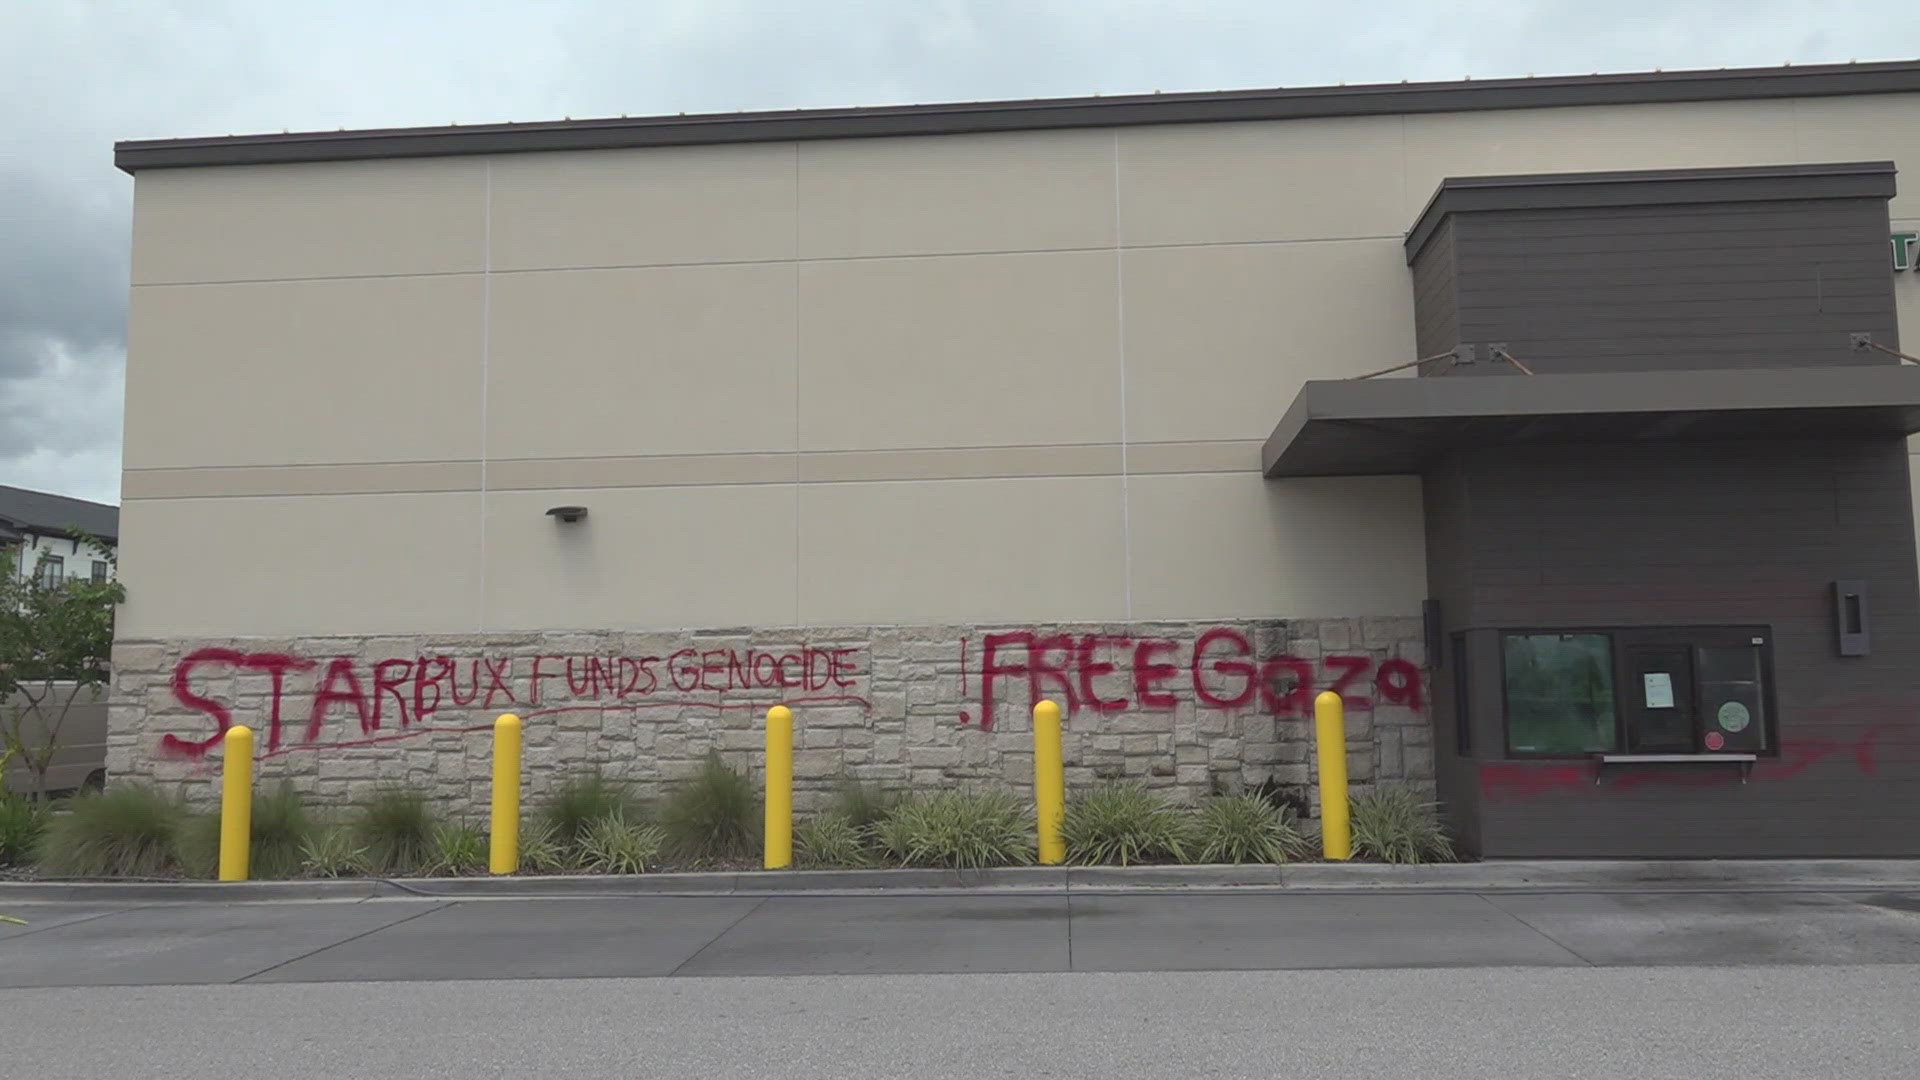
(1517, 875)
(1602, 875)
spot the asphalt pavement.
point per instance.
(1676, 1023)
(65, 944)
(1229, 983)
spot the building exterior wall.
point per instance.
(1184, 708)
(22, 558)
(964, 382)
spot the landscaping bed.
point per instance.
(591, 824)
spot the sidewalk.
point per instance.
(1797, 875)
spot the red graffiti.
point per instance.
(1521, 780)
(1095, 672)
(339, 684)
(276, 665)
(408, 694)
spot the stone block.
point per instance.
(1216, 721)
(735, 739)
(942, 757)
(1260, 753)
(1387, 712)
(1388, 744)
(1141, 723)
(353, 767)
(141, 656)
(817, 738)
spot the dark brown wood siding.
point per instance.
(1763, 284)
(1436, 326)
(1679, 534)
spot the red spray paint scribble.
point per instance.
(1523, 780)
(1220, 669)
(408, 693)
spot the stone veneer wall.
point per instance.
(899, 706)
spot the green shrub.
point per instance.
(457, 849)
(395, 828)
(713, 815)
(612, 845)
(129, 830)
(280, 829)
(281, 825)
(831, 839)
(21, 823)
(863, 805)
(196, 845)
(580, 801)
(1245, 829)
(1393, 825)
(1123, 824)
(541, 853)
(959, 829)
(330, 851)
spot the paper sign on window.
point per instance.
(1659, 690)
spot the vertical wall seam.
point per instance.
(796, 384)
(486, 363)
(1120, 348)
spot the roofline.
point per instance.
(1649, 187)
(1632, 88)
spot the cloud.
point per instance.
(75, 75)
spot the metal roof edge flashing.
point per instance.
(1624, 88)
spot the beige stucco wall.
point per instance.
(966, 378)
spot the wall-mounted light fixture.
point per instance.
(568, 514)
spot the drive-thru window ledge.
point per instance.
(1601, 761)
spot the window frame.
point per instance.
(98, 572)
(1648, 634)
(49, 569)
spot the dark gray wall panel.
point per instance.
(1771, 284)
(1693, 534)
(1436, 311)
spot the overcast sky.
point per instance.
(75, 75)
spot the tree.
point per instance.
(55, 640)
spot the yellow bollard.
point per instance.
(1049, 782)
(503, 845)
(236, 803)
(1330, 735)
(779, 831)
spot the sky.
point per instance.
(76, 75)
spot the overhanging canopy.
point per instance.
(1358, 427)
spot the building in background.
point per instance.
(37, 535)
(911, 416)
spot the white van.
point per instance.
(79, 758)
